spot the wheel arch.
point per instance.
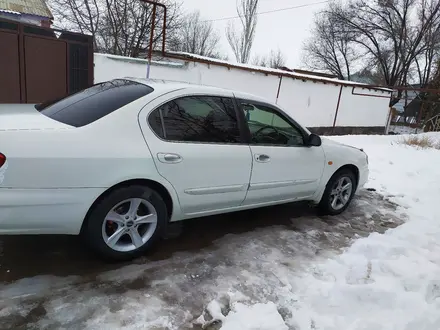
(350, 167)
(158, 187)
(321, 202)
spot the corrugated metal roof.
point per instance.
(278, 72)
(9, 11)
(30, 7)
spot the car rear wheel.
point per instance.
(338, 193)
(126, 223)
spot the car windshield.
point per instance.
(93, 103)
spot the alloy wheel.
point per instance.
(129, 225)
(341, 193)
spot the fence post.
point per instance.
(150, 50)
(387, 126)
(337, 108)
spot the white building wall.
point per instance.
(312, 104)
(109, 67)
(370, 109)
(249, 82)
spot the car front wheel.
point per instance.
(338, 193)
(126, 222)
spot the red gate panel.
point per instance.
(46, 67)
(9, 68)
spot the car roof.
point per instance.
(164, 86)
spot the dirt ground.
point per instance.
(53, 282)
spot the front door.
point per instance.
(284, 168)
(196, 145)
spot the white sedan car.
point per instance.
(120, 160)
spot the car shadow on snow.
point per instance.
(28, 256)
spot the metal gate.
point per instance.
(39, 64)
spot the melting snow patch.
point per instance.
(215, 309)
(255, 317)
(233, 314)
(35, 286)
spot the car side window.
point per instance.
(268, 126)
(197, 119)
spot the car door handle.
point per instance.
(262, 158)
(169, 158)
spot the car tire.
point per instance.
(111, 226)
(337, 188)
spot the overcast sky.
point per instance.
(286, 29)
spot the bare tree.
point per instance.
(260, 60)
(393, 35)
(426, 62)
(330, 47)
(371, 74)
(119, 27)
(83, 16)
(275, 60)
(431, 101)
(241, 41)
(196, 37)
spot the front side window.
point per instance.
(197, 119)
(268, 126)
(93, 103)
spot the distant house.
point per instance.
(408, 107)
(27, 11)
(410, 102)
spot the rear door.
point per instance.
(284, 167)
(197, 146)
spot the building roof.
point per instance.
(296, 74)
(29, 7)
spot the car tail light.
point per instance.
(2, 159)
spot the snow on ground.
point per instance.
(384, 281)
(303, 273)
(258, 316)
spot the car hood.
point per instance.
(326, 141)
(25, 117)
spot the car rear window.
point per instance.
(93, 103)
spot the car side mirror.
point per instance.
(314, 140)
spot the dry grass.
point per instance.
(421, 142)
